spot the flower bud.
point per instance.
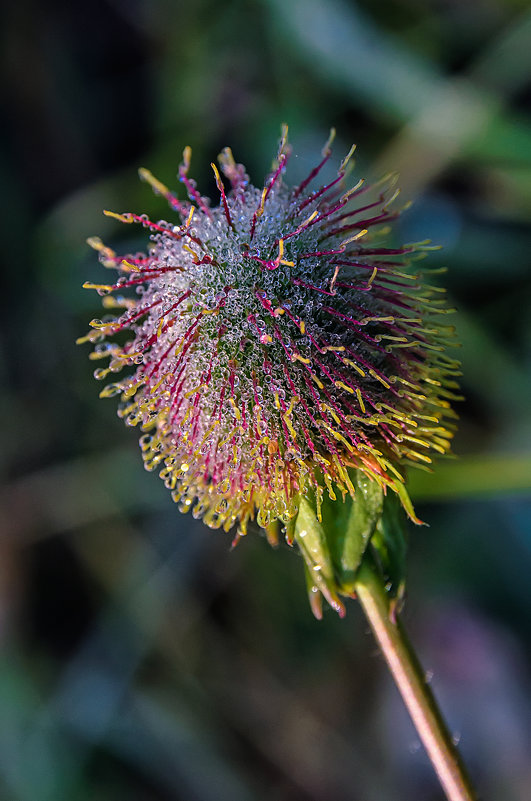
(280, 354)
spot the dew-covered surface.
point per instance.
(141, 658)
(279, 343)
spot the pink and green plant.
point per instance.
(286, 362)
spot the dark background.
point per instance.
(139, 658)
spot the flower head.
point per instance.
(276, 344)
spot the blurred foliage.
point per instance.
(139, 658)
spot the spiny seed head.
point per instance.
(277, 343)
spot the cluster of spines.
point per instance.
(254, 467)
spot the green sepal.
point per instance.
(390, 544)
(333, 547)
(349, 526)
(310, 536)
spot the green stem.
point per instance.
(409, 677)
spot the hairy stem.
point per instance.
(409, 677)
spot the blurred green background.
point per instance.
(139, 658)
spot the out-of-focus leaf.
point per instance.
(348, 50)
(504, 139)
(497, 377)
(473, 476)
(506, 63)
